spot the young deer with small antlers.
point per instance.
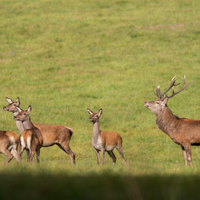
(31, 138)
(104, 140)
(8, 145)
(184, 132)
(52, 134)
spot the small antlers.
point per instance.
(163, 95)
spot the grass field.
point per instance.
(62, 57)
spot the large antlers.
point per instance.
(163, 95)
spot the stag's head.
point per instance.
(94, 117)
(12, 105)
(159, 105)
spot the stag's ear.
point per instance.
(29, 109)
(165, 101)
(100, 112)
(9, 100)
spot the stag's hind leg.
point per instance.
(112, 155)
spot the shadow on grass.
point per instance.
(93, 186)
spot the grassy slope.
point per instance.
(64, 56)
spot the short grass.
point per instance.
(62, 57)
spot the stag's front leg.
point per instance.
(184, 155)
(189, 155)
(187, 149)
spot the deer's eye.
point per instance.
(96, 115)
(157, 102)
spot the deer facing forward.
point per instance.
(31, 138)
(104, 140)
(184, 132)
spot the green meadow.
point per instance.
(62, 57)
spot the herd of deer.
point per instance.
(33, 136)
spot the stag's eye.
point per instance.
(96, 115)
(157, 102)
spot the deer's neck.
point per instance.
(167, 121)
(19, 124)
(28, 124)
(95, 132)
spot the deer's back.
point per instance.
(110, 138)
(54, 133)
(187, 131)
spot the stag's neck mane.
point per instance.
(166, 121)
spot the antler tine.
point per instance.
(184, 86)
(159, 94)
(171, 84)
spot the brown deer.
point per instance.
(52, 134)
(184, 132)
(31, 138)
(8, 145)
(104, 140)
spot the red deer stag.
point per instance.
(52, 134)
(184, 132)
(31, 138)
(104, 140)
(8, 145)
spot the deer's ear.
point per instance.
(89, 111)
(100, 112)
(165, 101)
(9, 100)
(29, 109)
(18, 101)
(19, 109)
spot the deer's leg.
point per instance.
(8, 154)
(189, 154)
(22, 146)
(27, 153)
(184, 155)
(65, 147)
(103, 155)
(97, 154)
(31, 155)
(15, 154)
(112, 155)
(38, 156)
(187, 149)
(120, 150)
